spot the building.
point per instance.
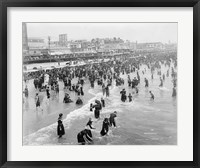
(62, 39)
(54, 44)
(171, 46)
(36, 43)
(36, 46)
(147, 46)
(113, 40)
(75, 47)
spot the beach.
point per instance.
(140, 122)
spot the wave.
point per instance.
(44, 134)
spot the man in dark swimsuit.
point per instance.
(112, 119)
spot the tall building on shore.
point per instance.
(24, 39)
(62, 39)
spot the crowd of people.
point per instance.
(105, 75)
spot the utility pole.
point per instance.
(49, 40)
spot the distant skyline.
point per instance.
(140, 32)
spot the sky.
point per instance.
(140, 32)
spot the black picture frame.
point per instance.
(4, 4)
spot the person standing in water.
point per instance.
(123, 95)
(103, 89)
(85, 137)
(81, 90)
(103, 102)
(136, 90)
(146, 82)
(112, 119)
(26, 92)
(48, 93)
(105, 127)
(130, 97)
(79, 101)
(163, 76)
(60, 127)
(57, 88)
(161, 82)
(97, 109)
(37, 102)
(89, 124)
(107, 91)
(152, 95)
(152, 76)
(91, 107)
(174, 92)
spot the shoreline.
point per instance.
(140, 122)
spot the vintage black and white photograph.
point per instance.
(99, 83)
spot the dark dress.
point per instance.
(60, 128)
(79, 102)
(26, 92)
(174, 92)
(123, 95)
(130, 98)
(67, 100)
(82, 93)
(48, 94)
(80, 137)
(97, 107)
(38, 102)
(105, 127)
(103, 102)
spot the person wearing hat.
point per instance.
(67, 98)
(123, 95)
(79, 101)
(105, 127)
(37, 102)
(60, 127)
(97, 107)
(89, 123)
(112, 119)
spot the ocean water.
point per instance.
(140, 122)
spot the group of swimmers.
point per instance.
(103, 74)
(85, 136)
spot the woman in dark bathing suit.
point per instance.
(60, 127)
